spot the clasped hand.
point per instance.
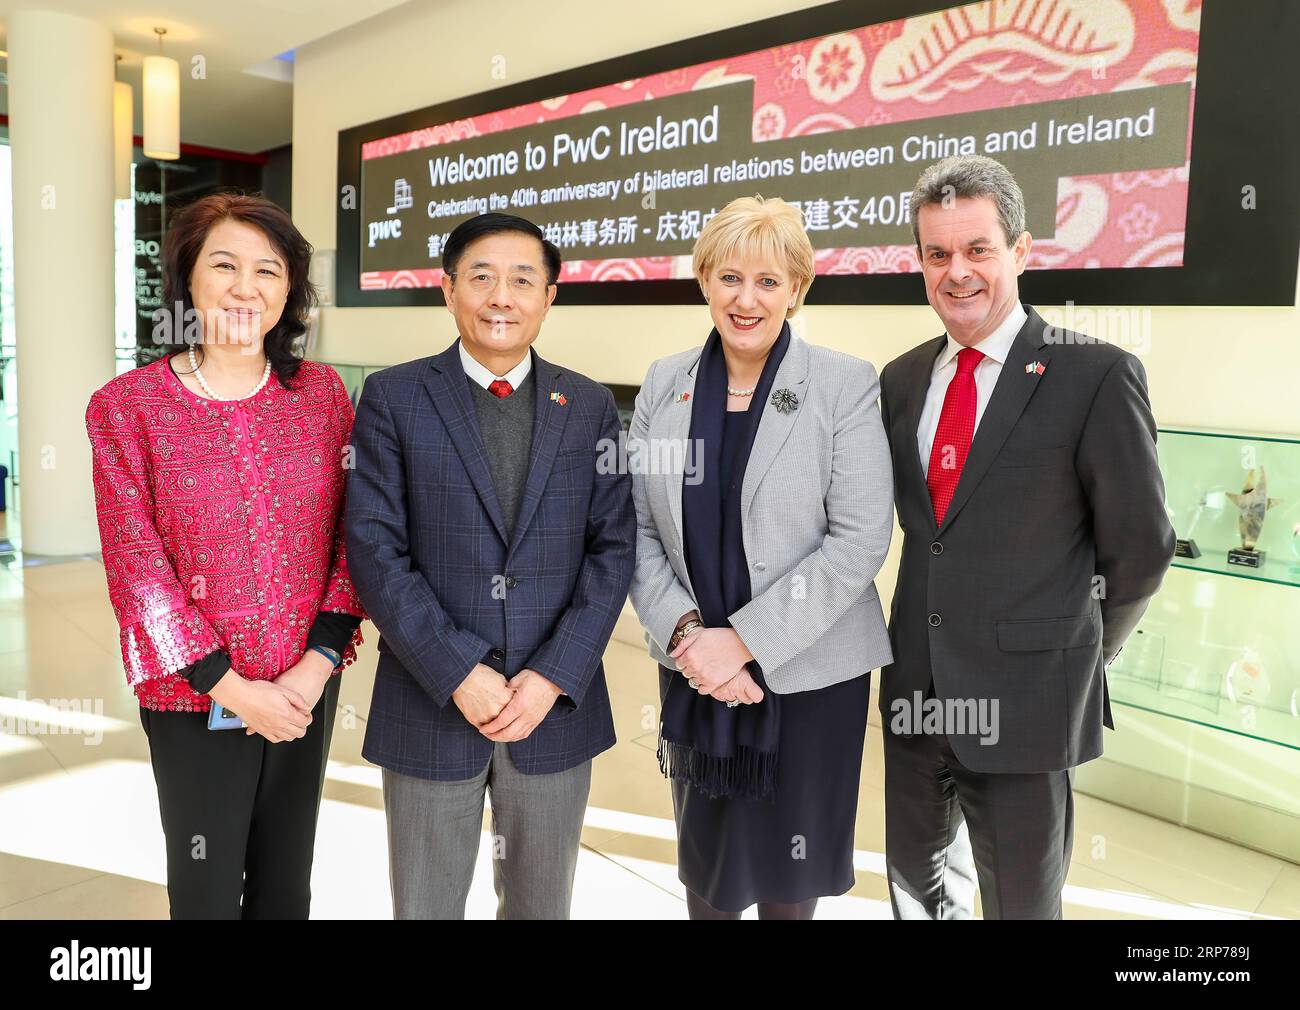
(280, 709)
(505, 710)
(715, 658)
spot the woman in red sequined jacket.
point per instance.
(219, 474)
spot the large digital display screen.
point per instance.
(1090, 103)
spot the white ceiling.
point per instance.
(232, 108)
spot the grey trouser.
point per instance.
(433, 839)
(947, 826)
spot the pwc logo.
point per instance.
(377, 231)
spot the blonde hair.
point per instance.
(751, 228)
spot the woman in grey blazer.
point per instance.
(764, 501)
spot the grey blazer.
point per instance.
(817, 509)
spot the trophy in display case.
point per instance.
(1252, 504)
(1247, 681)
(1195, 683)
(1141, 659)
(1212, 502)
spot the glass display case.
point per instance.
(354, 377)
(625, 400)
(1218, 650)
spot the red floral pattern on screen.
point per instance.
(978, 56)
(220, 523)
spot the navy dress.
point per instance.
(735, 852)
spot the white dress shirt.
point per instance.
(484, 378)
(995, 348)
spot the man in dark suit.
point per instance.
(1035, 533)
(494, 555)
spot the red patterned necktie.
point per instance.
(953, 436)
(500, 388)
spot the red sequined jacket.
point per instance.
(220, 522)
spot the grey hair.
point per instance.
(971, 176)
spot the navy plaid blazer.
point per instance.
(428, 553)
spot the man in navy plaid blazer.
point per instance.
(494, 555)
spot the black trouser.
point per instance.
(239, 813)
(947, 826)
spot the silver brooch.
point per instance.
(784, 400)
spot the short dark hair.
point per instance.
(494, 224)
(184, 241)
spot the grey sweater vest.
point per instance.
(507, 430)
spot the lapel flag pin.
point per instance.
(681, 398)
(558, 398)
(1035, 368)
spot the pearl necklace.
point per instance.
(741, 392)
(203, 384)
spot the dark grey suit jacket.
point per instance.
(1003, 601)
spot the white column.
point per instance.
(61, 71)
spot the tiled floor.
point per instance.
(80, 835)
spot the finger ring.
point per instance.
(733, 703)
(694, 684)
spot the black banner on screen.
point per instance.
(641, 180)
